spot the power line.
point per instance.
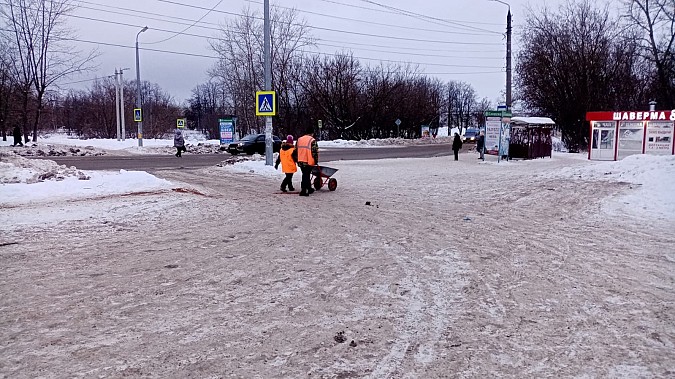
(184, 30)
(422, 16)
(87, 80)
(222, 39)
(398, 13)
(350, 32)
(372, 22)
(135, 13)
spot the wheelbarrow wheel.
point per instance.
(332, 184)
(318, 183)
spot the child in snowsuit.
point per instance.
(288, 157)
(179, 143)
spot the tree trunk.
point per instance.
(24, 116)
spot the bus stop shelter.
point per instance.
(531, 137)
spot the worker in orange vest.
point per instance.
(288, 157)
(308, 157)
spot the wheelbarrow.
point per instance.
(321, 175)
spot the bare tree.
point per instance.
(654, 21)
(461, 103)
(44, 52)
(240, 68)
(570, 63)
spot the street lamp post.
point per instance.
(138, 90)
(508, 54)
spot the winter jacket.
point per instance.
(480, 142)
(308, 151)
(456, 143)
(178, 140)
(288, 157)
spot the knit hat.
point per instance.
(289, 139)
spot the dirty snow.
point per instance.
(517, 269)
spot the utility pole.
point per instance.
(268, 84)
(508, 54)
(117, 102)
(124, 129)
(139, 104)
(508, 60)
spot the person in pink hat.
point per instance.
(288, 157)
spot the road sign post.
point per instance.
(398, 127)
(266, 105)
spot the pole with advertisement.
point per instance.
(497, 133)
(226, 129)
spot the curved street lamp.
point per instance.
(138, 91)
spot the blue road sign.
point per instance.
(265, 103)
(138, 115)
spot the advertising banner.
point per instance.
(226, 126)
(492, 127)
(505, 140)
(659, 137)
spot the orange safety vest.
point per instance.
(305, 150)
(288, 166)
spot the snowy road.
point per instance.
(455, 269)
(192, 161)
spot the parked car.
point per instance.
(253, 143)
(470, 135)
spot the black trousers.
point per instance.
(288, 181)
(456, 154)
(306, 183)
(179, 149)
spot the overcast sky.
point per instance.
(456, 40)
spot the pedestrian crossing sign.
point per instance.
(138, 115)
(265, 103)
(180, 123)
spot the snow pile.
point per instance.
(252, 164)
(654, 176)
(31, 180)
(558, 145)
(16, 169)
(52, 150)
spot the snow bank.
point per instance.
(654, 176)
(30, 180)
(16, 169)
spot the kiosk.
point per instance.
(616, 135)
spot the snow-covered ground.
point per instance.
(412, 268)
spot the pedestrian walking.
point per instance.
(179, 143)
(308, 157)
(456, 145)
(480, 145)
(16, 132)
(288, 157)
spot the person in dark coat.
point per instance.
(480, 145)
(179, 143)
(17, 136)
(456, 145)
